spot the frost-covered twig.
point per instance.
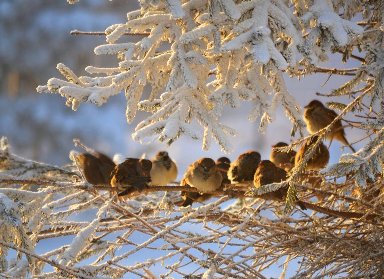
(187, 40)
(62, 268)
(99, 33)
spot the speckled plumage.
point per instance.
(203, 175)
(131, 175)
(284, 160)
(223, 164)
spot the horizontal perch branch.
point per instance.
(240, 192)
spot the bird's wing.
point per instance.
(331, 113)
(104, 158)
(91, 168)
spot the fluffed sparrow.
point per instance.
(96, 167)
(164, 170)
(223, 164)
(243, 169)
(284, 160)
(203, 175)
(319, 158)
(317, 117)
(131, 175)
(268, 173)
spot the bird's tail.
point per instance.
(301, 205)
(341, 137)
(127, 191)
(184, 202)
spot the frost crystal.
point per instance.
(202, 55)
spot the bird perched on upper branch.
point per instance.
(318, 160)
(317, 117)
(164, 170)
(96, 167)
(203, 175)
(243, 169)
(282, 159)
(131, 175)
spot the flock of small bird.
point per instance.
(207, 175)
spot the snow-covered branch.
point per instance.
(191, 39)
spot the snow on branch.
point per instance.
(210, 47)
(182, 107)
(83, 238)
(94, 235)
(365, 165)
(12, 230)
(326, 29)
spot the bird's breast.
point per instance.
(206, 184)
(161, 175)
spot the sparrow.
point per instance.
(96, 167)
(223, 164)
(317, 117)
(268, 173)
(203, 175)
(319, 158)
(284, 160)
(131, 175)
(243, 169)
(164, 170)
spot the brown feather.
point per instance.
(268, 173)
(317, 117)
(96, 167)
(243, 169)
(319, 158)
(131, 175)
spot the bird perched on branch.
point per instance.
(243, 169)
(317, 117)
(318, 160)
(282, 159)
(131, 175)
(96, 167)
(164, 170)
(223, 164)
(203, 175)
(268, 173)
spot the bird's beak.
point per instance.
(307, 106)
